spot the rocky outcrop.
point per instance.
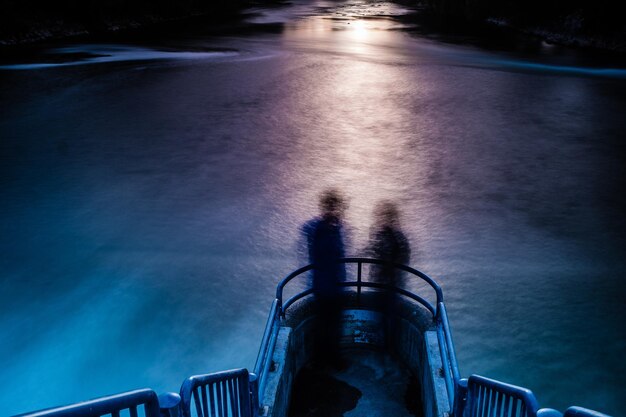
(597, 23)
(25, 21)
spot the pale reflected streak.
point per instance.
(342, 35)
(364, 126)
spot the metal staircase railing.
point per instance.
(438, 312)
(140, 402)
(582, 412)
(220, 394)
(490, 398)
(485, 397)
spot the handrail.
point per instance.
(112, 405)
(219, 394)
(450, 366)
(266, 335)
(262, 361)
(498, 399)
(443, 317)
(295, 298)
(281, 284)
(358, 284)
(279, 307)
(583, 412)
(359, 261)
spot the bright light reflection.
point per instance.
(358, 30)
(358, 124)
(352, 36)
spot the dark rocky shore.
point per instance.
(595, 24)
(578, 23)
(30, 21)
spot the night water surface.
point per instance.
(152, 195)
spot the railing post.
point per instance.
(254, 395)
(358, 287)
(169, 404)
(460, 398)
(280, 313)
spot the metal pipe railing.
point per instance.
(281, 284)
(454, 366)
(271, 319)
(223, 394)
(112, 405)
(358, 285)
(359, 261)
(438, 312)
(263, 359)
(583, 412)
(450, 365)
(498, 399)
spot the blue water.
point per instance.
(151, 197)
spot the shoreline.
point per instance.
(563, 38)
(42, 30)
(47, 29)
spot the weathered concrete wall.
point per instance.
(419, 350)
(275, 398)
(417, 347)
(436, 402)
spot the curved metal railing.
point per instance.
(489, 397)
(220, 394)
(359, 283)
(279, 307)
(128, 402)
(498, 399)
(582, 412)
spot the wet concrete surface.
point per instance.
(368, 383)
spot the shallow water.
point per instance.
(151, 203)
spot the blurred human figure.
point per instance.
(388, 243)
(325, 241)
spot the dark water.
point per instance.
(151, 198)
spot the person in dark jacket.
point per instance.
(388, 243)
(325, 241)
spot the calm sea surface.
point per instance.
(151, 198)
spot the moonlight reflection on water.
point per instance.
(149, 207)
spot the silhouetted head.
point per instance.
(332, 204)
(386, 214)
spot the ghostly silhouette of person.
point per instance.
(388, 243)
(325, 241)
